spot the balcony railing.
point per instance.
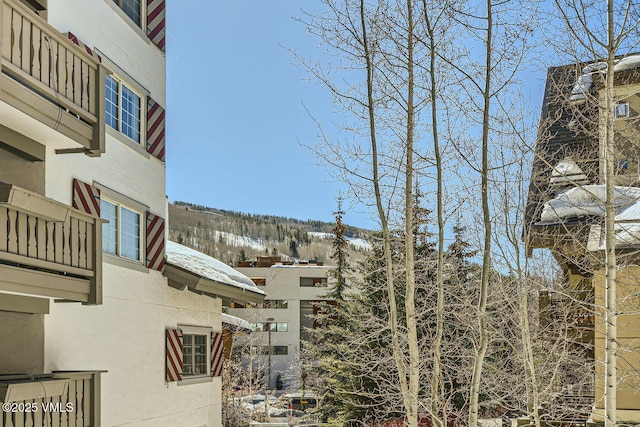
(65, 84)
(78, 405)
(48, 248)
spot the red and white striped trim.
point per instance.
(86, 197)
(84, 47)
(217, 354)
(156, 22)
(155, 129)
(155, 242)
(174, 354)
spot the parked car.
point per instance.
(300, 401)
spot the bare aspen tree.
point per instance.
(502, 36)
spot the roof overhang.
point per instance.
(181, 278)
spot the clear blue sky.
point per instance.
(236, 117)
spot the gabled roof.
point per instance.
(567, 145)
(188, 268)
(567, 133)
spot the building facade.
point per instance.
(89, 314)
(280, 323)
(565, 213)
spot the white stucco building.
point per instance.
(279, 322)
(94, 311)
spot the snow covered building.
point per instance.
(85, 305)
(280, 322)
(565, 213)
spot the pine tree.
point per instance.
(340, 255)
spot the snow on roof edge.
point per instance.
(208, 267)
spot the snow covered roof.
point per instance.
(235, 321)
(566, 172)
(585, 80)
(588, 200)
(208, 268)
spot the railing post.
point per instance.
(97, 145)
(95, 295)
(2, 41)
(95, 399)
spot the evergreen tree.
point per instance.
(293, 248)
(340, 256)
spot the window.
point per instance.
(275, 303)
(121, 235)
(269, 326)
(132, 8)
(123, 107)
(621, 110)
(279, 350)
(313, 281)
(194, 358)
(196, 344)
(279, 327)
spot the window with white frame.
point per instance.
(123, 108)
(132, 8)
(195, 353)
(122, 234)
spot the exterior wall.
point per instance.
(126, 337)
(283, 283)
(21, 172)
(20, 355)
(628, 388)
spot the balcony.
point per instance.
(48, 78)
(48, 248)
(72, 399)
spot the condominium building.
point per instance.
(281, 322)
(565, 214)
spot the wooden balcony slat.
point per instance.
(50, 252)
(32, 246)
(59, 246)
(16, 32)
(75, 242)
(3, 229)
(66, 242)
(82, 241)
(45, 60)
(22, 234)
(72, 398)
(79, 405)
(12, 234)
(28, 419)
(36, 51)
(25, 44)
(77, 82)
(19, 418)
(55, 415)
(89, 249)
(41, 238)
(5, 31)
(37, 417)
(91, 91)
(86, 402)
